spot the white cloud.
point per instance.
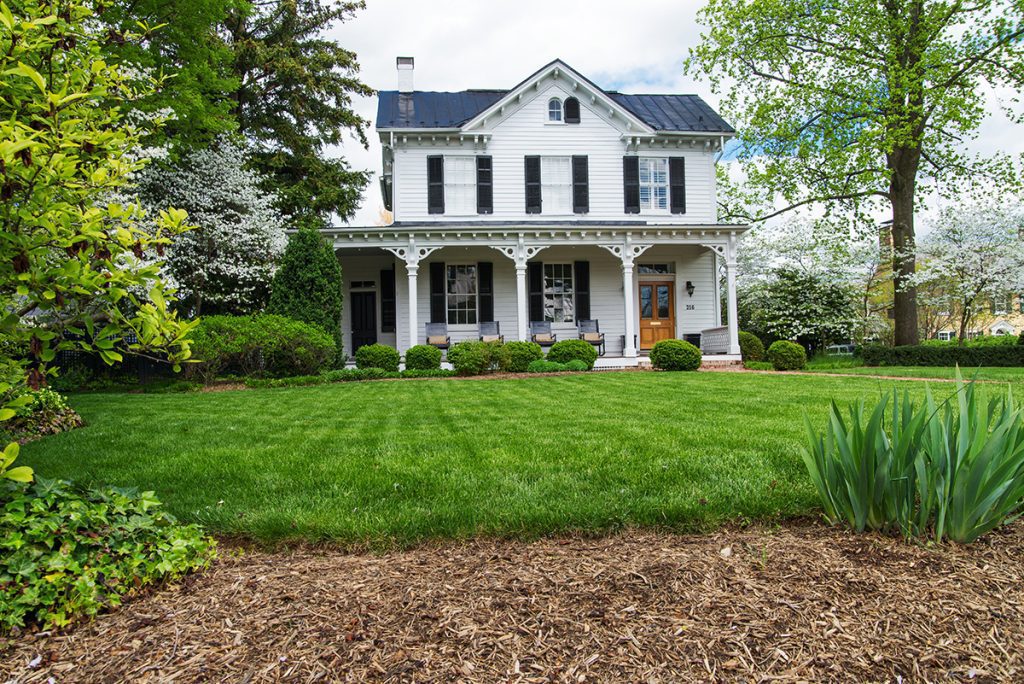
(458, 44)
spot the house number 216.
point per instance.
(691, 307)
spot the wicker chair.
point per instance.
(591, 332)
(490, 331)
(437, 335)
(540, 332)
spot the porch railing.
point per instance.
(715, 340)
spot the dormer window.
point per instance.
(554, 109)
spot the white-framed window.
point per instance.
(461, 291)
(556, 184)
(558, 293)
(945, 335)
(654, 183)
(554, 109)
(459, 185)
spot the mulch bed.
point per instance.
(802, 602)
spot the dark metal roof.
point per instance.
(425, 109)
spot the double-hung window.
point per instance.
(653, 183)
(461, 291)
(556, 184)
(459, 185)
(558, 293)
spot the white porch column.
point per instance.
(629, 349)
(522, 305)
(412, 269)
(730, 279)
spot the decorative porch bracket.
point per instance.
(412, 254)
(521, 253)
(628, 251)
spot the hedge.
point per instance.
(931, 355)
(567, 350)
(377, 356)
(675, 355)
(473, 358)
(423, 357)
(786, 356)
(515, 357)
(751, 347)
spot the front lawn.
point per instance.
(1000, 374)
(384, 462)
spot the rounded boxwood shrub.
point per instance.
(473, 357)
(515, 357)
(377, 356)
(545, 366)
(422, 357)
(567, 350)
(576, 365)
(675, 355)
(786, 355)
(751, 347)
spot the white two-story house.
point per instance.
(553, 201)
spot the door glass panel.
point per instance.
(645, 301)
(663, 301)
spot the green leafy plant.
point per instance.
(259, 345)
(751, 347)
(567, 350)
(576, 365)
(377, 356)
(545, 366)
(786, 356)
(111, 543)
(40, 412)
(758, 365)
(516, 356)
(675, 355)
(422, 357)
(15, 474)
(952, 471)
(472, 357)
(427, 373)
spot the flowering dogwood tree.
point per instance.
(226, 264)
(973, 255)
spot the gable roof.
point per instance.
(427, 109)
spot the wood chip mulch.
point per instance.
(800, 603)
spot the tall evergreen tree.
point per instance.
(294, 98)
(307, 285)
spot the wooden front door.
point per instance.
(657, 313)
(364, 318)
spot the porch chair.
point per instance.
(437, 335)
(490, 331)
(540, 332)
(591, 332)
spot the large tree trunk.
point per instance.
(903, 164)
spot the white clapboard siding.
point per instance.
(525, 131)
(695, 264)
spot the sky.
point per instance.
(637, 46)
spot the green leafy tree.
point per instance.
(858, 105)
(70, 262)
(294, 98)
(307, 285)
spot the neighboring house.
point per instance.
(553, 201)
(1004, 316)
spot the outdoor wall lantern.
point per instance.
(689, 288)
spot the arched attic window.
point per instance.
(572, 110)
(554, 109)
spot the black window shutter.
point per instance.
(484, 186)
(572, 110)
(532, 185)
(631, 184)
(535, 276)
(581, 288)
(580, 185)
(438, 299)
(485, 291)
(388, 308)
(677, 184)
(435, 185)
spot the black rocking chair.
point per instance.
(437, 335)
(540, 332)
(490, 331)
(591, 332)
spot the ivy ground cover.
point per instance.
(398, 462)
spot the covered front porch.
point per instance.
(641, 283)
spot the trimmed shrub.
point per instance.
(427, 373)
(786, 355)
(567, 350)
(259, 345)
(545, 366)
(112, 543)
(423, 357)
(576, 366)
(377, 356)
(515, 357)
(307, 286)
(751, 347)
(473, 357)
(944, 355)
(675, 355)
